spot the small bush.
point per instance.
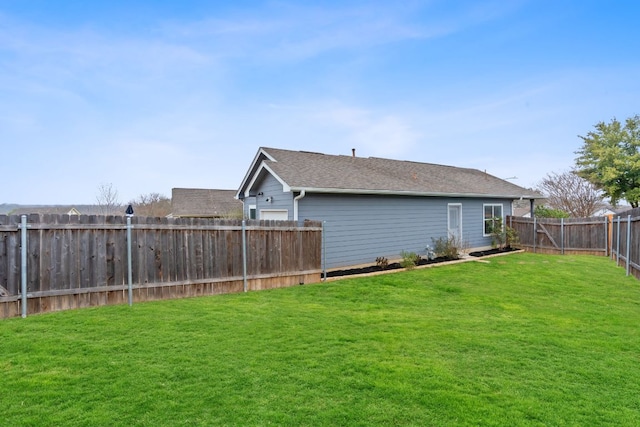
(447, 247)
(502, 236)
(512, 238)
(409, 259)
(382, 262)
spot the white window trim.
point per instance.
(254, 208)
(484, 219)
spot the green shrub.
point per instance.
(447, 247)
(512, 237)
(502, 236)
(409, 259)
(544, 212)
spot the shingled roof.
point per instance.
(204, 203)
(317, 172)
(58, 210)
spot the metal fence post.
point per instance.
(561, 236)
(612, 236)
(534, 234)
(129, 263)
(618, 243)
(628, 243)
(324, 252)
(606, 236)
(244, 255)
(23, 264)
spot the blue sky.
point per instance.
(151, 95)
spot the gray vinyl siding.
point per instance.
(473, 220)
(246, 204)
(358, 228)
(271, 188)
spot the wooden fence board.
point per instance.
(169, 255)
(10, 254)
(61, 258)
(4, 268)
(84, 271)
(33, 257)
(71, 262)
(100, 259)
(149, 253)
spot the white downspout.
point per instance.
(295, 204)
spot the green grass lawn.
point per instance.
(517, 340)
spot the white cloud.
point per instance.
(291, 32)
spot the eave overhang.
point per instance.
(411, 193)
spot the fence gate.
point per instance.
(541, 231)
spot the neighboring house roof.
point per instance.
(203, 203)
(611, 210)
(53, 209)
(522, 208)
(323, 173)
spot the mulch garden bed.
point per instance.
(423, 261)
(492, 252)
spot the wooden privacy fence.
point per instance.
(625, 241)
(563, 235)
(79, 261)
(617, 235)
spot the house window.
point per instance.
(491, 214)
(252, 211)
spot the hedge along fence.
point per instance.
(586, 236)
(80, 261)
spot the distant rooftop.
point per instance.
(204, 203)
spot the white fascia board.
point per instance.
(247, 175)
(285, 187)
(408, 193)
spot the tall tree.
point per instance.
(567, 192)
(610, 159)
(107, 199)
(152, 204)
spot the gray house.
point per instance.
(374, 207)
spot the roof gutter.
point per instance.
(412, 193)
(295, 203)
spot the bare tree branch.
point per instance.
(152, 204)
(107, 199)
(570, 193)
